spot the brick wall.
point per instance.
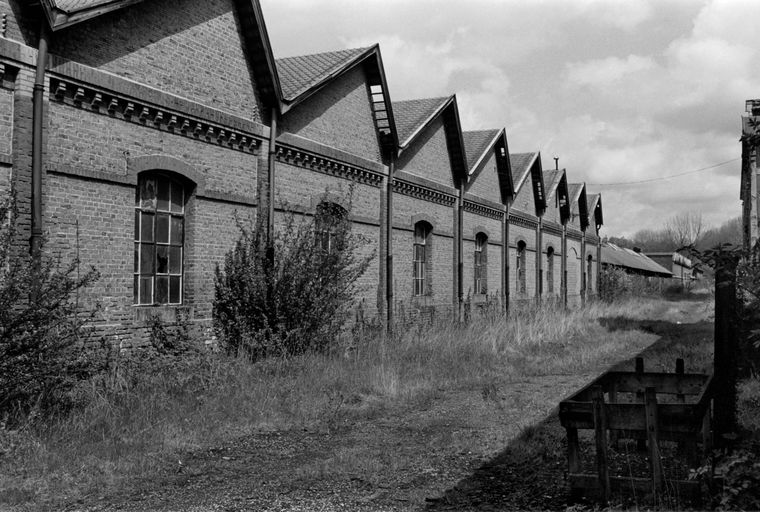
(524, 201)
(339, 115)
(555, 242)
(428, 157)
(486, 185)
(574, 268)
(528, 235)
(23, 21)
(191, 48)
(6, 121)
(474, 223)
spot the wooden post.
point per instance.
(600, 435)
(650, 406)
(613, 399)
(573, 451)
(640, 443)
(724, 351)
(687, 445)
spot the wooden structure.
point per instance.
(647, 406)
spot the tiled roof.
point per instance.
(70, 6)
(574, 190)
(476, 143)
(298, 74)
(411, 114)
(520, 163)
(552, 178)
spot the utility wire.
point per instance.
(662, 178)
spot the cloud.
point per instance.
(602, 73)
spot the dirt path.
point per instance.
(495, 448)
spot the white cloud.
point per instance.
(605, 72)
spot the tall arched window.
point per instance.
(421, 258)
(589, 280)
(521, 262)
(159, 239)
(328, 222)
(550, 270)
(481, 263)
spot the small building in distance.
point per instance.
(632, 261)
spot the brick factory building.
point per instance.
(135, 133)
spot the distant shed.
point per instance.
(633, 262)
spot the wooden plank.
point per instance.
(682, 418)
(600, 436)
(573, 451)
(665, 383)
(655, 465)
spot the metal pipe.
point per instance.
(505, 260)
(389, 244)
(539, 266)
(270, 178)
(38, 93)
(460, 252)
(563, 265)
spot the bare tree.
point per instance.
(684, 229)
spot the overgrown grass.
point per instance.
(141, 416)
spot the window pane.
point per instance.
(137, 258)
(147, 260)
(148, 194)
(137, 224)
(162, 228)
(177, 231)
(175, 285)
(146, 228)
(163, 194)
(162, 259)
(162, 290)
(146, 290)
(178, 201)
(136, 290)
(175, 260)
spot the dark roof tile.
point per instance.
(476, 143)
(520, 163)
(412, 114)
(298, 74)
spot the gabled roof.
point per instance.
(64, 13)
(555, 182)
(529, 164)
(521, 164)
(595, 209)
(478, 145)
(414, 116)
(302, 76)
(579, 202)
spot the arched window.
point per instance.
(521, 250)
(589, 280)
(481, 263)
(159, 239)
(550, 270)
(328, 223)
(422, 256)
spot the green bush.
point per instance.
(293, 295)
(42, 341)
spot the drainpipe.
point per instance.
(270, 180)
(35, 242)
(505, 259)
(598, 264)
(564, 264)
(389, 244)
(539, 266)
(459, 254)
(584, 274)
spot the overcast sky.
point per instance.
(620, 91)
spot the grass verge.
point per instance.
(139, 417)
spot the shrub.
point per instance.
(293, 295)
(42, 349)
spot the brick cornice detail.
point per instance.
(551, 227)
(519, 218)
(125, 108)
(483, 210)
(419, 192)
(320, 163)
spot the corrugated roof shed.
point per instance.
(633, 261)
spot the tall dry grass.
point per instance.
(138, 418)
